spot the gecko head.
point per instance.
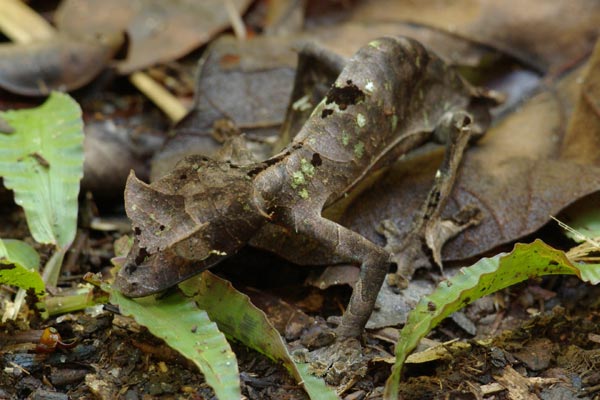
(189, 220)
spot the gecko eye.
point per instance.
(316, 160)
(141, 256)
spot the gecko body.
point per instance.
(391, 97)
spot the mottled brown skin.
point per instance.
(389, 99)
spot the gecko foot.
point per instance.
(341, 363)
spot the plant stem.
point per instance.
(74, 300)
(53, 265)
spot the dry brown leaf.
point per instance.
(246, 84)
(159, 31)
(346, 38)
(59, 63)
(514, 175)
(582, 140)
(288, 319)
(547, 35)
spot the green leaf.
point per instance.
(314, 386)
(484, 277)
(177, 320)
(42, 162)
(238, 318)
(584, 217)
(19, 263)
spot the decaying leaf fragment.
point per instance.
(391, 97)
(544, 35)
(159, 31)
(581, 140)
(60, 63)
(241, 84)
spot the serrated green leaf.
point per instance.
(484, 277)
(42, 162)
(238, 318)
(177, 320)
(19, 263)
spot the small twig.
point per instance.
(160, 96)
(236, 20)
(578, 235)
(19, 367)
(22, 25)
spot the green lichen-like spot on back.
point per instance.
(359, 149)
(303, 193)
(345, 138)
(307, 168)
(297, 179)
(375, 43)
(51, 133)
(361, 120)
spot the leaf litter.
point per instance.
(499, 353)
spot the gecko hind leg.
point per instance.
(429, 232)
(315, 240)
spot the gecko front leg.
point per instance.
(314, 240)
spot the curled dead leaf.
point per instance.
(60, 63)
